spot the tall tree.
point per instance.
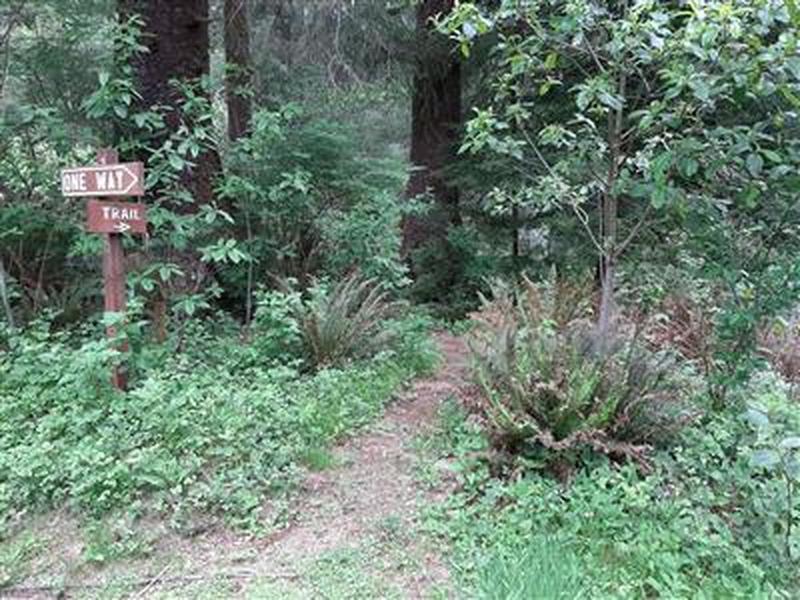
(634, 115)
(436, 118)
(237, 75)
(177, 40)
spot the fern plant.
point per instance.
(345, 321)
(545, 386)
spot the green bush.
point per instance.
(309, 202)
(345, 321)
(547, 385)
(275, 333)
(190, 436)
(327, 326)
(708, 520)
(367, 234)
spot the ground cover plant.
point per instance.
(193, 436)
(706, 521)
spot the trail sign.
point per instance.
(126, 179)
(116, 217)
(109, 178)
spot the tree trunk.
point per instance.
(436, 118)
(237, 70)
(177, 39)
(609, 219)
(283, 30)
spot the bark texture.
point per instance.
(436, 119)
(238, 68)
(176, 36)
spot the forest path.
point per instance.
(354, 530)
(357, 524)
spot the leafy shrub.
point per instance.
(328, 326)
(772, 448)
(275, 331)
(448, 273)
(367, 234)
(702, 523)
(191, 435)
(311, 202)
(345, 321)
(546, 385)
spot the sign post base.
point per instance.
(114, 281)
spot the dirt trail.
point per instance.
(354, 530)
(374, 488)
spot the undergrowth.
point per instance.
(551, 390)
(705, 523)
(200, 431)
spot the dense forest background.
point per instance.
(601, 197)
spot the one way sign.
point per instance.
(124, 179)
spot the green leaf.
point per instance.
(792, 469)
(766, 459)
(757, 418)
(790, 443)
(176, 162)
(794, 12)
(121, 111)
(755, 164)
(689, 167)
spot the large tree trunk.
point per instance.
(237, 73)
(436, 118)
(176, 36)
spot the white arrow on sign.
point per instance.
(132, 175)
(122, 227)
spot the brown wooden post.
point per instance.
(114, 278)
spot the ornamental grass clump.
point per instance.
(548, 389)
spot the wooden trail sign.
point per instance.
(116, 217)
(104, 180)
(112, 219)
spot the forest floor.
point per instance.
(353, 529)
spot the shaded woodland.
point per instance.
(585, 211)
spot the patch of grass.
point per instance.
(391, 528)
(341, 574)
(347, 573)
(375, 568)
(111, 540)
(317, 459)
(545, 569)
(16, 556)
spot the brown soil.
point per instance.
(344, 506)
